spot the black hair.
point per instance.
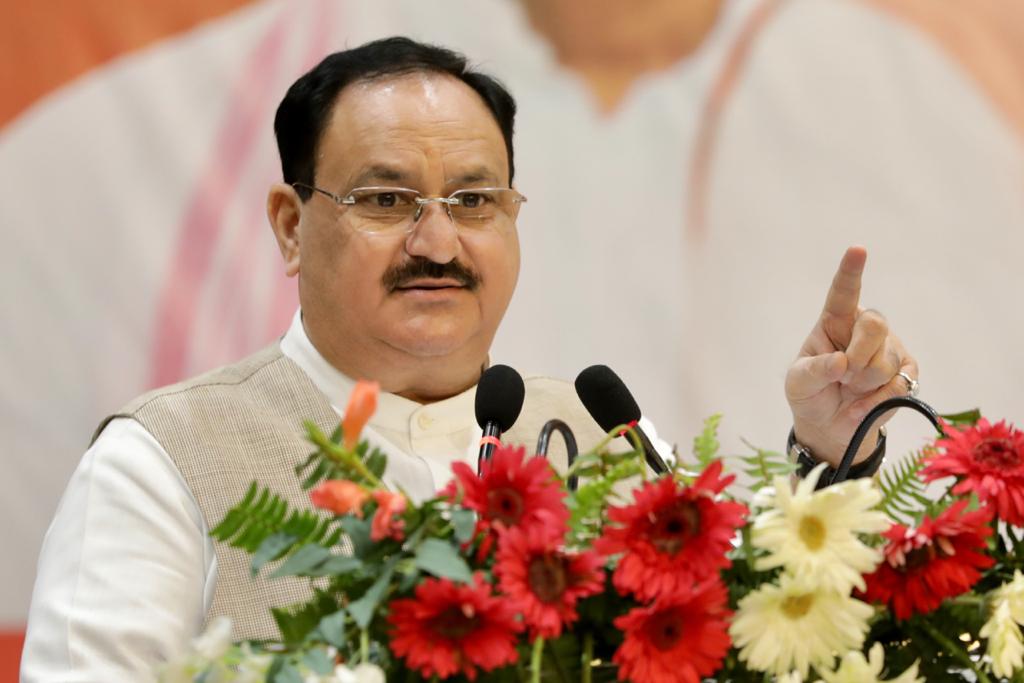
(303, 113)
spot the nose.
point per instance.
(434, 235)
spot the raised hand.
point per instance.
(849, 363)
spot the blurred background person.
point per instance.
(679, 158)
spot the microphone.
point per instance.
(499, 399)
(609, 402)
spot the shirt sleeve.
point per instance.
(127, 568)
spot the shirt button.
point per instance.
(424, 421)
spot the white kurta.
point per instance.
(127, 570)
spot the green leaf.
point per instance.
(332, 628)
(302, 560)
(319, 473)
(258, 516)
(358, 531)
(464, 522)
(362, 609)
(275, 667)
(705, 446)
(967, 417)
(335, 565)
(317, 661)
(305, 463)
(377, 462)
(903, 492)
(295, 622)
(441, 559)
(288, 674)
(272, 547)
(588, 502)
(410, 581)
(763, 466)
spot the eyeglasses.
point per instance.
(389, 209)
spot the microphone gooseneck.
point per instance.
(499, 400)
(549, 428)
(610, 403)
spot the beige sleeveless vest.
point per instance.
(243, 422)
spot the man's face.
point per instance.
(429, 133)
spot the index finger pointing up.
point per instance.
(844, 294)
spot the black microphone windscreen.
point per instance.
(606, 397)
(499, 397)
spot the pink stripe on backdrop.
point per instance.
(177, 307)
(10, 654)
(275, 313)
(283, 305)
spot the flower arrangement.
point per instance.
(510, 576)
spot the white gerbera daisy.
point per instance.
(1013, 593)
(1002, 631)
(789, 628)
(1005, 647)
(814, 534)
(856, 668)
(363, 673)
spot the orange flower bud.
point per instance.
(361, 406)
(387, 521)
(340, 496)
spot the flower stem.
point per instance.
(955, 650)
(748, 545)
(587, 656)
(535, 660)
(967, 599)
(364, 646)
(345, 457)
(588, 458)
(585, 460)
(613, 434)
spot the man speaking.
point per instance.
(397, 214)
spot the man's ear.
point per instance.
(284, 209)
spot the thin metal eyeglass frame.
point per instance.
(421, 201)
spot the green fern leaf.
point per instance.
(705, 446)
(362, 465)
(258, 517)
(764, 465)
(903, 492)
(588, 500)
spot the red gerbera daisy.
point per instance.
(543, 582)
(938, 560)
(986, 459)
(680, 639)
(673, 536)
(512, 491)
(451, 628)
